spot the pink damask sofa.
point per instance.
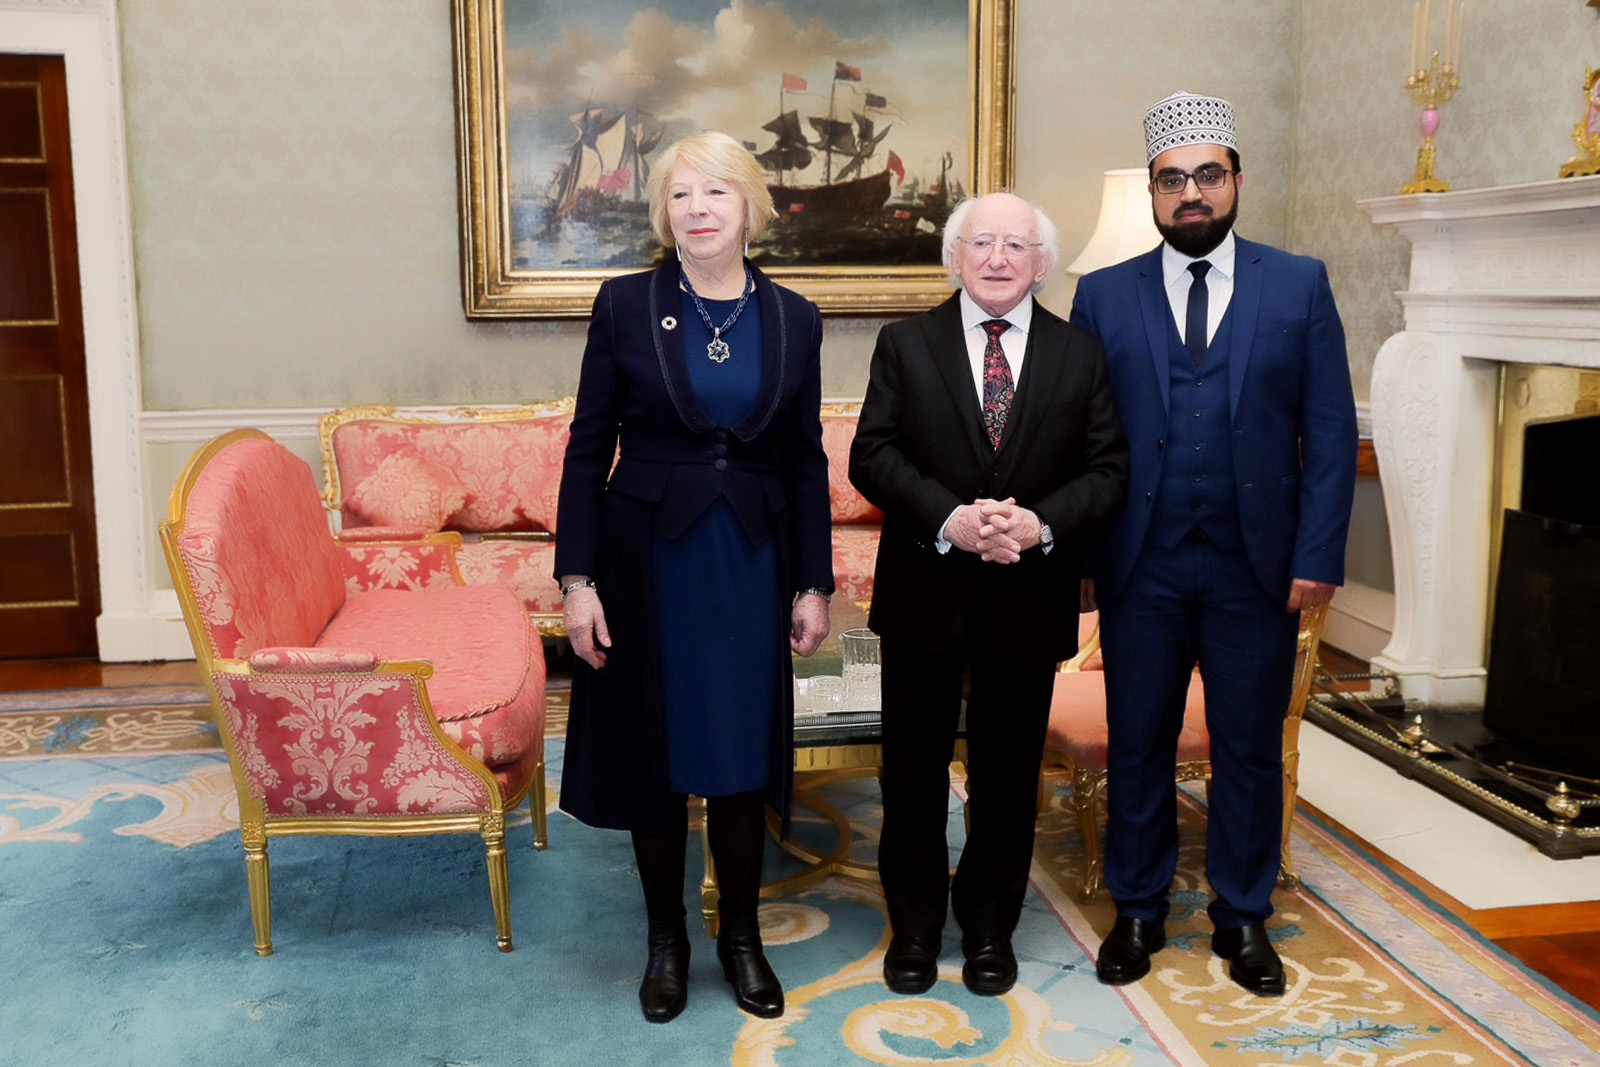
(493, 475)
(359, 685)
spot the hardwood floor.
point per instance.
(1559, 941)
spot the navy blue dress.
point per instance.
(720, 627)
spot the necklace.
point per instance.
(718, 351)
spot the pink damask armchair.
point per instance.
(360, 688)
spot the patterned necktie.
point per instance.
(997, 387)
(1194, 327)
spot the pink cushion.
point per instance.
(525, 566)
(510, 468)
(407, 490)
(848, 506)
(488, 682)
(1078, 720)
(256, 547)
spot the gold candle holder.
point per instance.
(1432, 87)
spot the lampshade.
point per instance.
(1126, 227)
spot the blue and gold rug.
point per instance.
(125, 939)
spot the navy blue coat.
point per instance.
(1291, 407)
(634, 393)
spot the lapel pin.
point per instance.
(669, 323)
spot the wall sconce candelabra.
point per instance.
(1433, 80)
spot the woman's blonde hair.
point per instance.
(720, 157)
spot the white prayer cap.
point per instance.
(1184, 119)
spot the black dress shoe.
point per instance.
(991, 967)
(1252, 961)
(755, 987)
(1126, 951)
(665, 989)
(911, 965)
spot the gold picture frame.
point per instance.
(499, 282)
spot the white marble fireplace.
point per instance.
(1503, 275)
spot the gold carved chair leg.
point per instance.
(541, 822)
(494, 839)
(259, 878)
(1088, 792)
(1312, 621)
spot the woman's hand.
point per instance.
(808, 623)
(585, 620)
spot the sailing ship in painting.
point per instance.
(842, 193)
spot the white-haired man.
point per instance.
(988, 438)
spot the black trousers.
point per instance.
(1008, 708)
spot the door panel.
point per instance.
(49, 572)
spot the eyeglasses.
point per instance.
(1173, 182)
(983, 244)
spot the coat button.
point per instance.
(721, 464)
(720, 450)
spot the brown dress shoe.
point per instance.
(1126, 951)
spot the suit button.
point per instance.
(720, 436)
(1200, 381)
(1147, 497)
(722, 450)
(1198, 412)
(721, 464)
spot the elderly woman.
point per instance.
(691, 569)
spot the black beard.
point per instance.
(1195, 238)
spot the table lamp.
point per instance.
(1126, 227)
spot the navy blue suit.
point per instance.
(1242, 473)
(634, 394)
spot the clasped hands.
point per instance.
(997, 531)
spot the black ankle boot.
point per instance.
(665, 989)
(755, 987)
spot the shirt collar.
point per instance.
(1174, 264)
(972, 316)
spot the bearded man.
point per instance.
(1228, 367)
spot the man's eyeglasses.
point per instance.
(983, 244)
(1172, 182)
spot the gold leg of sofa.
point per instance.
(259, 877)
(494, 839)
(541, 823)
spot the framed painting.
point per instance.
(872, 120)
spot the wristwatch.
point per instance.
(1046, 538)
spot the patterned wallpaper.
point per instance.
(1357, 131)
(294, 197)
(294, 189)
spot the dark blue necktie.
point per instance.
(1194, 328)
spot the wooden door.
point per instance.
(49, 577)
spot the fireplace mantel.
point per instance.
(1502, 275)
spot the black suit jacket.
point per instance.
(920, 451)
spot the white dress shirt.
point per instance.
(1219, 284)
(1014, 343)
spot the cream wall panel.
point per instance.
(1357, 131)
(1088, 70)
